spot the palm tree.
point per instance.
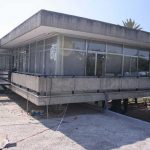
(129, 23)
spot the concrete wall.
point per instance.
(76, 98)
(61, 90)
(70, 22)
(61, 85)
(77, 24)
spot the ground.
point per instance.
(82, 128)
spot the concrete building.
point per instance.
(59, 59)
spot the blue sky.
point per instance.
(14, 12)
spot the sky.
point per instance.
(14, 12)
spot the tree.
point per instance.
(129, 23)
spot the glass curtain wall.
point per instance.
(4, 61)
(130, 61)
(50, 56)
(143, 63)
(80, 57)
(95, 58)
(114, 60)
(74, 56)
(37, 57)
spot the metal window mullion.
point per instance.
(95, 64)
(86, 48)
(35, 65)
(18, 68)
(44, 53)
(29, 59)
(62, 56)
(122, 59)
(130, 65)
(137, 69)
(105, 61)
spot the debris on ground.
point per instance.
(37, 112)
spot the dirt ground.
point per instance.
(82, 128)
(140, 113)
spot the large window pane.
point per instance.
(21, 54)
(50, 56)
(74, 43)
(143, 63)
(114, 65)
(32, 57)
(39, 57)
(27, 57)
(100, 65)
(50, 42)
(17, 60)
(96, 46)
(130, 51)
(143, 53)
(130, 66)
(114, 48)
(90, 67)
(74, 63)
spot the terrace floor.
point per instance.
(82, 128)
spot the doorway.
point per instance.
(95, 64)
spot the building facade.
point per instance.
(60, 58)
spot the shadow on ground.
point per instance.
(91, 129)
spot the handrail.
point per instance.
(78, 76)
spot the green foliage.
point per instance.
(129, 23)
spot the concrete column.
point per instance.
(116, 105)
(59, 55)
(135, 100)
(44, 61)
(125, 105)
(29, 60)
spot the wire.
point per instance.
(47, 128)
(62, 118)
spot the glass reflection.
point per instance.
(96, 46)
(74, 43)
(114, 65)
(74, 63)
(90, 67)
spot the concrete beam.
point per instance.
(74, 98)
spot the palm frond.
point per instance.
(129, 23)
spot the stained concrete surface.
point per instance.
(82, 128)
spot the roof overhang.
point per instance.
(47, 23)
(45, 31)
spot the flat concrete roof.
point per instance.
(47, 22)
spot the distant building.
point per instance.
(61, 58)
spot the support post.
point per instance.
(125, 105)
(47, 111)
(27, 105)
(105, 103)
(135, 100)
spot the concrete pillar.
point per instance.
(116, 105)
(125, 105)
(135, 100)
